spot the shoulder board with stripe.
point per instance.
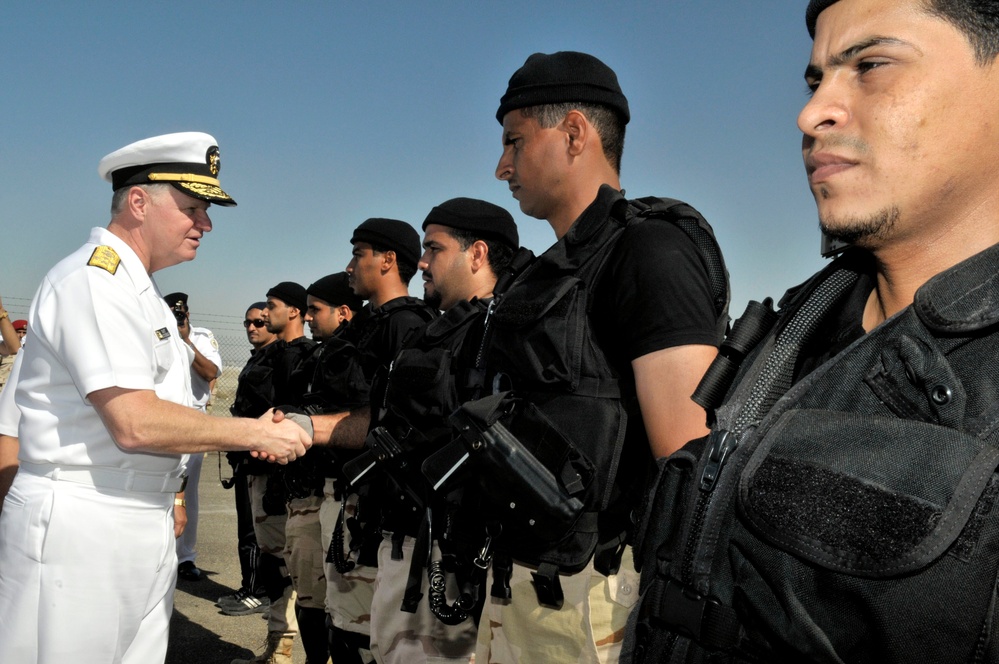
(105, 258)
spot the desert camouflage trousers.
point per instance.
(304, 553)
(398, 637)
(270, 532)
(589, 629)
(348, 596)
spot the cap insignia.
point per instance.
(105, 258)
(214, 160)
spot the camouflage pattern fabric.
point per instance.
(348, 596)
(589, 629)
(270, 534)
(398, 637)
(304, 552)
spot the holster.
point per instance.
(521, 460)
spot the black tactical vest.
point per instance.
(422, 389)
(331, 380)
(268, 379)
(542, 347)
(333, 377)
(377, 341)
(425, 379)
(851, 516)
(369, 332)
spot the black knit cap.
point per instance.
(334, 291)
(815, 7)
(392, 234)
(566, 76)
(484, 220)
(291, 294)
(175, 300)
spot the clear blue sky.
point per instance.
(331, 112)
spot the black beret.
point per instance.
(392, 234)
(815, 7)
(566, 76)
(291, 294)
(484, 220)
(173, 299)
(334, 291)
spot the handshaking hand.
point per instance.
(284, 438)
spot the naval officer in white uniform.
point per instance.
(103, 395)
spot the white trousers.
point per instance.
(86, 575)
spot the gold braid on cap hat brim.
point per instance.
(183, 177)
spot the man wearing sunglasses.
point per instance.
(256, 327)
(251, 596)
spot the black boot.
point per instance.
(345, 646)
(312, 629)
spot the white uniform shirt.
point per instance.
(95, 326)
(204, 341)
(10, 416)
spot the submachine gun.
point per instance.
(397, 459)
(530, 480)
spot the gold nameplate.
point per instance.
(105, 258)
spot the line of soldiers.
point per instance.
(479, 456)
(476, 462)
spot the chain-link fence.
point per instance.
(235, 350)
(228, 331)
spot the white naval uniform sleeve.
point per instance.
(208, 346)
(205, 342)
(10, 416)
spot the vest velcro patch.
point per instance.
(105, 258)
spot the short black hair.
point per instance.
(499, 256)
(608, 123)
(977, 19)
(406, 271)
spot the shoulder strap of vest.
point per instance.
(520, 260)
(448, 323)
(754, 326)
(407, 303)
(690, 221)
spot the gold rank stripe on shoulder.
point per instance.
(105, 258)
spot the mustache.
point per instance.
(857, 145)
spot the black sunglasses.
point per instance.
(254, 323)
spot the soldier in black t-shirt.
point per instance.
(607, 334)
